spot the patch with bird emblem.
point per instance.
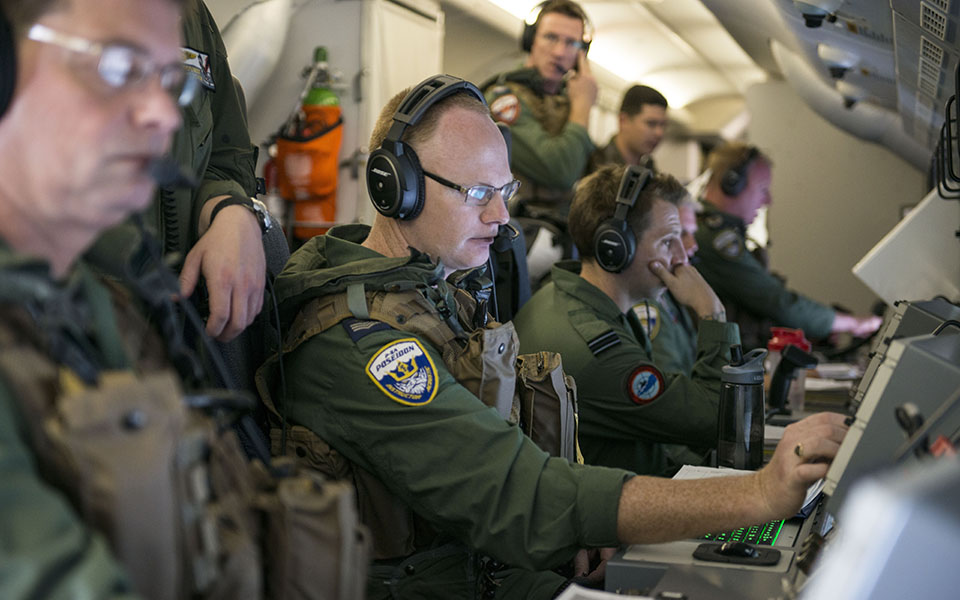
(404, 372)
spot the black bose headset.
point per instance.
(614, 243)
(735, 179)
(394, 176)
(8, 63)
(533, 21)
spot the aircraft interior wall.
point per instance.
(846, 192)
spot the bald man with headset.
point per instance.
(394, 376)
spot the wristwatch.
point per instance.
(259, 210)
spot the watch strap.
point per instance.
(241, 201)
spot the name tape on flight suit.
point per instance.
(404, 372)
(644, 385)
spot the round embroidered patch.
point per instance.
(649, 317)
(506, 109)
(645, 385)
(728, 243)
(713, 221)
(404, 372)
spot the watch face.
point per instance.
(263, 215)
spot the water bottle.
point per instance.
(741, 419)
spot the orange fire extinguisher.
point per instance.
(308, 151)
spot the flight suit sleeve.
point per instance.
(622, 394)
(741, 277)
(554, 161)
(46, 551)
(231, 167)
(445, 454)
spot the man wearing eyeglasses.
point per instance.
(547, 106)
(388, 350)
(113, 483)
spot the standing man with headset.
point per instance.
(547, 105)
(754, 298)
(390, 363)
(626, 227)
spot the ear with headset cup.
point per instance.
(8, 63)
(735, 179)
(394, 176)
(614, 243)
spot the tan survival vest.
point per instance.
(530, 389)
(185, 512)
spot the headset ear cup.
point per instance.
(415, 194)
(732, 182)
(8, 64)
(384, 182)
(526, 39)
(614, 245)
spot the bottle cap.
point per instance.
(750, 371)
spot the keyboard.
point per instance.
(765, 534)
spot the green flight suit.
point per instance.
(474, 479)
(213, 144)
(548, 153)
(673, 337)
(750, 293)
(47, 551)
(672, 333)
(629, 407)
(610, 155)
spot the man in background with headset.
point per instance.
(547, 106)
(739, 186)
(629, 239)
(371, 391)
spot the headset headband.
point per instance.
(422, 97)
(634, 178)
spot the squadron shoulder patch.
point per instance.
(506, 108)
(728, 243)
(649, 318)
(404, 372)
(644, 385)
(198, 64)
(713, 221)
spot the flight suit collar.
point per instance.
(525, 76)
(330, 263)
(602, 308)
(566, 276)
